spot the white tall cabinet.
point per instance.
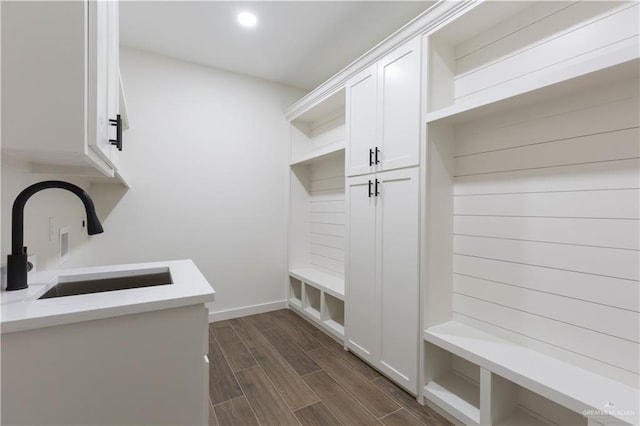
(382, 148)
(382, 272)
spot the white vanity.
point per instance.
(130, 356)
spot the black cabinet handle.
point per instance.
(377, 159)
(370, 193)
(377, 190)
(118, 140)
(370, 157)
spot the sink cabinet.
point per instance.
(61, 85)
(146, 368)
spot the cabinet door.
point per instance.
(361, 311)
(361, 118)
(399, 110)
(104, 75)
(98, 120)
(113, 74)
(397, 274)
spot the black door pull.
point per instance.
(377, 190)
(377, 159)
(370, 157)
(118, 140)
(370, 193)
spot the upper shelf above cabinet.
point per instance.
(501, 51)
(319, 130)
(60, 81)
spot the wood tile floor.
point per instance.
(278, 369)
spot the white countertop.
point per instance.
(21, 309)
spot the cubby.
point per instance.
(453, 383)
(295, 291)
(507, 404)
(312, 301)
(333, 313)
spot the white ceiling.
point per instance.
(298, 43)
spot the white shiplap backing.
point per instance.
(327, 215)
(546, 228)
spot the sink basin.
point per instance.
(97, 283)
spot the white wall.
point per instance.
(206, 158)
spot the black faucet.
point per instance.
(17, 260)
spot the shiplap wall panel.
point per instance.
(327, 215)
(468, 369)
(612, 145)
(613, 233)
(617, 204)
(622, 174)
(608, 349)
(615, 27)
(326, 229)
(327, 240)
(327, 218)
(516, 22)
(333, 206)
(327, 184)
(594, 316)
(614, 292)
(541, 126)
(547, 227)
(533, 26)
(608, 262)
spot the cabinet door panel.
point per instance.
(98, 36)
(361, 322)
(361, 116)
(113, 74)
(397, 264)
(399, 94)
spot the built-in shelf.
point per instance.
(497, 56)
(317, 212)
(525, 100)
(319, 130)
(565, 384)
(457, 395)
(621, 66)
(320, 154)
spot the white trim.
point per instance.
(421, 24)
(247, 310)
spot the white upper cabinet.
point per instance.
(399, 107)
(104, 35)
(361, 118)
(60, 81)
(383, 113)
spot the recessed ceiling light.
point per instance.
(247, 19)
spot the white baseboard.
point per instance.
(246, 310)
